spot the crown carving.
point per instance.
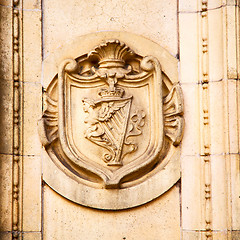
(111, 54)
(116, 93)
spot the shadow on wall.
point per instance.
(6, 81)
(6, 122)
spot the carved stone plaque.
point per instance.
(112, 122)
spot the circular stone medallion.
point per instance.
(112, 121)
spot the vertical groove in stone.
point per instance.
(16, 121)
(238, 72)
(205, 120)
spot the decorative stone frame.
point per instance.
(150, 183)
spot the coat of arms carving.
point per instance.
(107, 119)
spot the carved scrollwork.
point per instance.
(49, 122)
(173, 111)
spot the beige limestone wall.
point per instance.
(204, 38)
(79, 18)
(210, 76)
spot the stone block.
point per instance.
(191, 193)
(160, 218)
(31, 194)
(189, 54)
(191, 139)
(32, 113)
(6, 112)
(216, 45)
(32, 236)
(232, 116)
(6, 43)
(32, 5)
(6, 192)
(5, 236)
(32, 45)
(217, 117)
(136, 16)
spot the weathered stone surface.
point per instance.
(5, 235)
(197, 46)
(156, 20)
(32, 211)
(131, 224)
(6, 110)
(6, 192)
(6, 42)
(108, 116)
(235, 235)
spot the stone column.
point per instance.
(209, 52)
